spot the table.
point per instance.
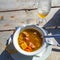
(17, 15)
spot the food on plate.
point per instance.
(30, 40)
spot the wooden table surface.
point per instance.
(15, 13)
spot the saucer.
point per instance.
(17, 56)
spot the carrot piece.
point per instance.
(28, 49)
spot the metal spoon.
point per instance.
(50, 42)
(52, 36)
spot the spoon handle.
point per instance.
(51, 36)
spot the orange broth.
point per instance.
(30, 40)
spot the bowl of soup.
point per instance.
(28, 40)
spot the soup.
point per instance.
(30, 40)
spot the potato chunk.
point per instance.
(23, 45)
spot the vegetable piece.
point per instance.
(27, 39)
(20, 42)
(26, 34)
(24, 45)
(28, 49)
(35, 33)
(31, 44)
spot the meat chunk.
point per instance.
(31, 44)
(27, 39)
(26, 34)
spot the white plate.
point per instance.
(41, 56)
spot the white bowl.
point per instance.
(15, 40)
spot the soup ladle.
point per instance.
(50, 42)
